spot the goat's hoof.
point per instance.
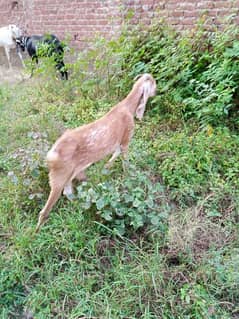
(39, 226)
(41, 221)
(37, 229)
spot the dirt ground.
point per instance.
(14, 75)
(11, 76)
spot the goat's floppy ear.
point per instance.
(140, 111)
(145, 95)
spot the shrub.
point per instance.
(128, 203)
(197, 74)
(188, 161)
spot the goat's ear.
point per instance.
(146, 88)
(140, 111)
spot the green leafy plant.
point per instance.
(132, 202)
(197, 74)
(187, 161)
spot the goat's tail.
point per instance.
(53, 159)
(61, 155)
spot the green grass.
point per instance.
(77, 266)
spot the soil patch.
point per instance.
(11, 76)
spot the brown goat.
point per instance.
(78, 148)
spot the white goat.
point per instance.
(78, 148)
(8, 35)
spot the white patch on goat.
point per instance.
(96, 134)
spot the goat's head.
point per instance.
(147, 86)
(21, 42)
(16, 32)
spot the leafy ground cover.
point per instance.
(158, 241)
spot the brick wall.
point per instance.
(79, 20)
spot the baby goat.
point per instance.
(79, 148)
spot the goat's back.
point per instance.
(92, 142)
(6, 37)
(36, 41)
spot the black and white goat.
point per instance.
(8, 36)
(44, 45)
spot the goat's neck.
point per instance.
(133, 100)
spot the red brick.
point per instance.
(190, 13)
(206, 5)
(189, 21)
(187, 6)
(86, 17)
(177, 14)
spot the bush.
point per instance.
(126, 204)
(193, 162)
(197, 74)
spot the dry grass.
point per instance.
(192, 232)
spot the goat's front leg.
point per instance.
(125, 145)
(7, 51)
(81, 177)
(114, 156)
(21, 58)
(33, 63)
(68, 191)
(125, 160)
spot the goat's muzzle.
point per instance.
(20, 44)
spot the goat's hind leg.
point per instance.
(7, 51)
(58, 181)
(52, 199)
